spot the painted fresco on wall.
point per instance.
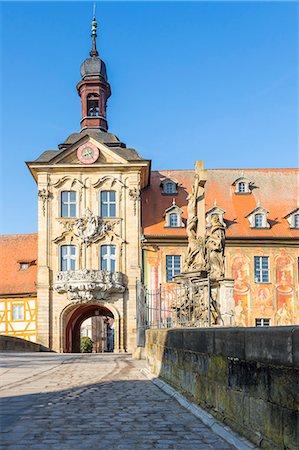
(262, 306)
(284, 265)
(241, 275)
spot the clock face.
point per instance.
(88, 153)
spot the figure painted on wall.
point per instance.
(241, 274)
(263, 302)
(283, 317)
(284, 273)
(240, 314)
(284, 288)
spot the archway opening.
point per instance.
(97, 322)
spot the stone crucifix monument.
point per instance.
(210, 294)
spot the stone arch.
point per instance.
(74, 314)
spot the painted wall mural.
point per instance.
(275, 300)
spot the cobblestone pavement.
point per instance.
(52, 401)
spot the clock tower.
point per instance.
(89, 225)
(94, 88)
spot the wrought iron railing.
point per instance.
(173, 306)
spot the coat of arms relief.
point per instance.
(89, 228)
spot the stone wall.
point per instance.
(14, 344)
(246, 377)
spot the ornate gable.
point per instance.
(87, 151)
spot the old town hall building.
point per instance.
(106, 220)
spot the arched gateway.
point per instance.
(72, 318)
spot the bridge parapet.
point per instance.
(245, 377)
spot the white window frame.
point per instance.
(242, 188)
(15, 311)
(260, 322)
(261, 216)
(177, 220)
(69, 202)
(169, 188)
(258, 273)
(173, 269)
(68, 257)
(109, 257)
(24, 266)
(109, 203)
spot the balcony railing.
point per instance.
(88, 284)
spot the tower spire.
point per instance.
(94, 26)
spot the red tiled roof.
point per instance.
(15, 249)
(276, 189)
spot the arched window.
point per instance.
(173, 220)
(67, 257)
(108, 258)
(259, 221)
(214, 215)
(93, 106)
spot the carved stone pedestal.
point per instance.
(212, 300)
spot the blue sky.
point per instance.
(200, 80)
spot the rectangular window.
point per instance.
(68, 257)
(259, 220)
(262, 322)
(173, 220)
(241, 187)
(173, 267)
(108, 204)
(17, 312)
(108, 258)
(68, 204)
(261, 269)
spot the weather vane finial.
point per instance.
(94, 26)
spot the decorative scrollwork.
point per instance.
(134, 193)
(44, 196)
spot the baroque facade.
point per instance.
(106, 220)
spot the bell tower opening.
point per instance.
(93, 108)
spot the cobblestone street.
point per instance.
(51, 401)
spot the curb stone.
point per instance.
(217, 427)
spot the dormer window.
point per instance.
(243, 185)
(173, 217)
(216, 211)
(258, 217)
(93, 108)
(169, 187)
(293, 218)
(25, 264)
